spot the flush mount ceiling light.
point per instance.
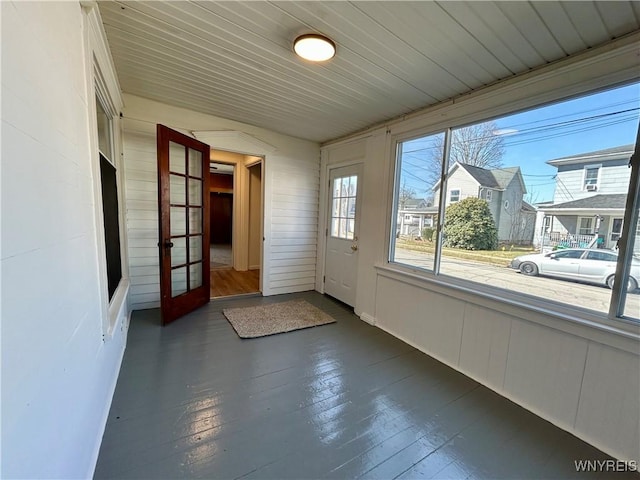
(314, 47)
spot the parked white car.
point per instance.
(582, 264)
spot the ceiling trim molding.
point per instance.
(235, 141)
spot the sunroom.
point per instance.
(100, 99)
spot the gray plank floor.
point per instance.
(344, 400)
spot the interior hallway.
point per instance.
(345, 400)
(225, 280)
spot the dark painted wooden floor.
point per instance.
(344, 400)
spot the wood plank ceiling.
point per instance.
(235, 59)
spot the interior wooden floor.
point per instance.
(345, 400)
(227, 281)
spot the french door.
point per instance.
(183, 204)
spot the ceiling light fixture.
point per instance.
(314, 47)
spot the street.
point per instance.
(593, 297)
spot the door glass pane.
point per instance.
(195, 192)
(195, 220)
(179, 251)
(195, 249)
(178, 281)
(334, 227)
(343, 207)
(178, 221)
(195, 272)
(195, 163)
(176, 190)
(176, 158)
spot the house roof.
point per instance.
(623, 151)
(498, 178)
(481, 175)
(614, 200)
(528, 207)
(415, 203)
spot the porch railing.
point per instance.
(567, 240)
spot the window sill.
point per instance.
(619, 333)
(116, 306)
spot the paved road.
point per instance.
(572, 293)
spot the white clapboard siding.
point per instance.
(142, 218)
(291, 218)
(293, 225)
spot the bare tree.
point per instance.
(479, 145)
(405, 193)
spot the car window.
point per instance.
(604, 256)
(569, 254)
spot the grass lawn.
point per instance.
(502, 256)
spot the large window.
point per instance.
(109, 190)
(549, 204)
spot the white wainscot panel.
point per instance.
(430, 322)
(485, 345)
(609, 410)
(544, 371)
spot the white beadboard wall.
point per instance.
(291, 188)
(582, 385)
(582, 378)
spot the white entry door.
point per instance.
(341, 261)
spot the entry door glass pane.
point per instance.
(186, 218)
(176, 158)
(343, 207)
(178, 281)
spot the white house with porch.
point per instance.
(589, 200)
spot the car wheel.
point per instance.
(529, 268)
(632, 284)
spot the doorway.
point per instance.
(343, 226)
(236, 222)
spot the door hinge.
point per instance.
(326, 232)
(324, 279)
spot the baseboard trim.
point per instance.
(370, 319)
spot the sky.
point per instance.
(594, 122)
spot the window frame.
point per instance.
(587, 168)
(578, 314)
(451, 200)
(488, 196)
(102, 83)
(579, 226)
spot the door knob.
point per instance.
(354, 247)
(168, 244)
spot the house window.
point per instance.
(343, 211)
(489, 195)
(616, 229)
(109, 190)
(585, 226)
(591, 177)
(475, 247)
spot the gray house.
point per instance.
(589, 199)
(503, 189)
